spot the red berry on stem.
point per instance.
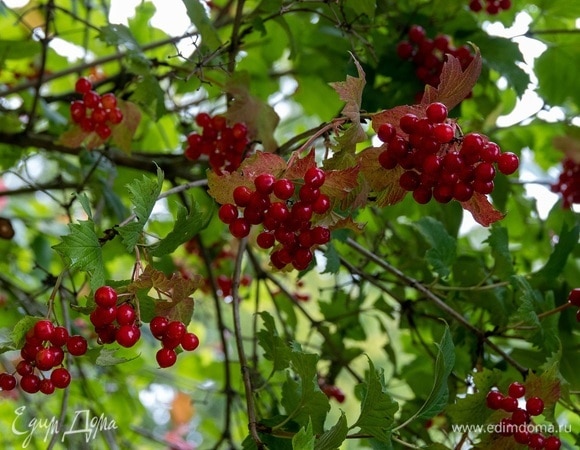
(175, 330)
(83, 85)
(7, 382)
(92, 99)
(228, 213)
(537, 441)
(115, 116)
(105, 296)
(189, 342)
(128, 335)
(24, 368)
(109, 101)
(552, 443)
(242, 196)
(76, 345)
(46, 386)
(535, 406)
(60, 377)
(264, 183)
(239, 228)
(516, 390)
(509, 404)
(30, 383)
(158, 325)
(574, 297)
(508, 163)
(494, 400)
(386, 132)
(284, 189)
(166, 357)
(314, 177)
(436, 112)
(125, 314)
(59, 336)
(104, 131)
(43, 330)
(45, 359)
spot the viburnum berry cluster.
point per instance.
(519, 424)
(331, 391)
(437, 163)
(492, 7)
(568, 184)
(224, 146)
(428, 55)
(286, 216)
(41, 368)
(114, 323)
(574, 299)
(95, 112)
(172, 334)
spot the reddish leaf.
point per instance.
(546, 386)
(482, 210)
(298, 166)
(259, 117)
(393, 115)
(123, 133)
(570, 145)
(383, 183)
(455, 84)
(351, 91)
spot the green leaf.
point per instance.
(556, 70)
(333, 438)
(105, 356)
(304, 439)
(332, 259)
(81, 249)
(275, 349)
(499, 243)
(302, 399)
(13, 49)
(149, 96)
(188, 224)
(119, 35)
(567, 242)
(377, 407)
(144, 193)
(197, 13)
(439, 395)
(22, 327)
(443, 246)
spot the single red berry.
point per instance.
(516, 390)
(115, 116)
(166, 357)
(509, 404)
(78, 111)
(103, 131)
(408, 123)
(24, 368)
(76, 345)
(189, 342)
(535, 406)
(103, 316)
(302, 258)
(127, 335)
(7, 382)
(228, 213)
(158, 325)
(475, 5)
(508, 163)
(264, 183)
(126, 314)
(92, 99)
(239, 131)
(175, 330)
(552, 443)
(537, 441)
(283, 189)
(386, 132)
(43, 330)
(574, 297)
(99, 115)
(58, 355)
(30, 383)
(265, 239)
(520, 416)
(242, 196)
(436, 112)
(443, 132)
(83, 85)
(59, 336)
(494, 399)
(239, 228)
(109, 101)
(60, 377)
(87, 124)
(170, 343)
(522, 436)
(203, 120)
(321, 205)
(301, 212)
(106, 334)
(409, 180)
(416, 33)
(105, 296)
(314, 177)
(308, 193)
(46, 386)
(506, 427)
(45, 359)
(320, 235)
(405, 50)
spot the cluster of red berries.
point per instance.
(428, 55)
(224, 146)
(491, 6)
(172, 335)
(519, 424)
(332, 391)
(95, 112)
(568, 184)
(114, 323)
(437, 164)
(43, 351)
(286, 219)
(574, 299)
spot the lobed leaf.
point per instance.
(482, 210)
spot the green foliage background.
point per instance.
(415, 318)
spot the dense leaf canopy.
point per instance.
(371, 317)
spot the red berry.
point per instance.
(552, 443)
(436, 112)
(106, 334)
(7, 382)
(99, 115)
(321, 205)
(24, 368)
(128, 335)
(125, 314)
(166, 357)
(416, 33)
(109, 101)
(283, 189)
(203, 120)
(115, 116)
(443, 133)
(76, 345)
(320, 235)
(77, 111)
(175, 330)
(239, 228)
(264, 183)
(170, 343)
(46, 386)
(239, 131)
(386, 132)
(242, 196)
(516, 390)
(43, 330)
(408, 123)
(265, 239)
(60, 377)
(508, 163)
(92, 99)
(58, 355)
(189, 342)
(105, 296)
(314, 177)
(494, 399)
(228, 213)
(59, 336)
(30, 383)
(537, 441)
(535, 406)
(520, 416)
(509, 404)
(83, 85)
(308, 193)
(409, 180)
(104, 131)
(521, 436)
(405, 50)
(45, 359)
(103, 316)
(158, 325)
(574, 297)
(475, 5)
